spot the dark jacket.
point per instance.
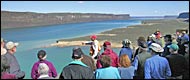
(166, 50)
(178, 64)
(14, 66)
(89, 62)
(77, 70)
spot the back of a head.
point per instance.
(168, 37)
(105, 61)
(124, 61)
(43, 68)
(107, 44)
(141, 40)
(126, 43)
(41, 54)
(77, 53)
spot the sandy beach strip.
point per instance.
(115, 36)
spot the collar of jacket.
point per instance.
(79, 63)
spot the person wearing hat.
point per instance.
(140, 60)
(3, 50)
(12, 61)
(168, 41)
(42, 59)
(156, 67)
(95, 46)
(177, 62)
(77, 69)
(108, 51)
(126, 49)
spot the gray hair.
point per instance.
(43, 68)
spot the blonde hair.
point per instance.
(124, 61)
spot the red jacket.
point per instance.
(112, 54)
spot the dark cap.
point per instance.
(168, 36)
(41, 54)
(106, 43)
(77, 53)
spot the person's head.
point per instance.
(155, 48)
(126, 43)
(143, 47)
(106, 45)
(105, 61)
(41, 55)
(168, 38)
(43, 69)
(186, 47)
(77, 53)
(183, 33)
(173, 48)
(93, 37)
(124, 61)
(140, 40)
(11, 46)
(2, 43)
(4, 64)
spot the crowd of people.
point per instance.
(151, 60)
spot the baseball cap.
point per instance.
(106, 43)
(173, 46)
(93, 36)
(77, 53)
(156, 47)
(11, 44)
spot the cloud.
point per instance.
(80, 2)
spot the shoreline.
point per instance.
(115, 36)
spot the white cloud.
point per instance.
(80, 2)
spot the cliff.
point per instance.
(184, 15)
(28, 19)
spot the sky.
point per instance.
(134, 8)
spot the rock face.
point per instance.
(184, 15)
(170, 17)
(28, 19)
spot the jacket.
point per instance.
(35, 74)
(89, 62)
(113, 56)
(14, 66)
(76, 70)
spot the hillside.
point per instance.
(28, 19)
(184, 15)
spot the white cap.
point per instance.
(156, 47)
(11, 44)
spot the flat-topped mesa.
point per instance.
(28, 19)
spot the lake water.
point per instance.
(31, 39)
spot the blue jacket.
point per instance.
(107, 73)
(127, 51)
